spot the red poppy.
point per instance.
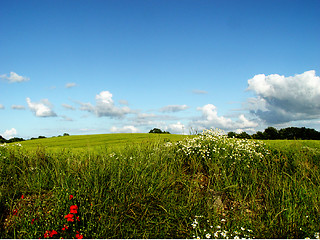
(22, 197)
(53, 232)
(79, 236)
(15, 212)
(78, 219)
(70, 197)
(65, 227)
(73, 209)
(69, 217)
(46, 234)
(32, 221)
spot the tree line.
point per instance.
(17, 139)
(284, 133)
(269, 133)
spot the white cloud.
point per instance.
(87, 129)
(18, 107)
(67, 106)
(41, 109)
(66, 118)
(105, 106)
(283, 99)
(197, 91)
(124, 129)
(1, 106)
(70, 85)
(9, 133)
(210, 119)
(14, 78)
(174, 108)
(177, 128)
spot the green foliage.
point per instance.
(272, 133)
(205, 186)
(157, 130)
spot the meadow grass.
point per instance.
(205, 186)
(97, 141)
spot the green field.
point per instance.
(159, 186)
(98, 141)
(296, 144)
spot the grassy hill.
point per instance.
(96, 141)
(143, 186)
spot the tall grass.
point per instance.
(208, 186)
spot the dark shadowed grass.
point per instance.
(210, 186)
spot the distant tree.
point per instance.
(15, 139)
(66, 134)
(2, 139)
(258, 135)
(271, 133)
(232, 134)
(243, 135)
(299, 133)
(157, 130)
(41, 137)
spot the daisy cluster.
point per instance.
(215, 145)
(219, 231)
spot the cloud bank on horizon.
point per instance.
(278, 99)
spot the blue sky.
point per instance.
(88, 67)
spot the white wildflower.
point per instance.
(224, 233)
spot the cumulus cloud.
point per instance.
(9, 133)
(41, 109)
(18, 107)
(177, 128)
(14, 78)
(210, 119)
(70, 85)
(105, 106)
(173, 108)
(67, 106)
(281, 99)
(124, 129)
(1, 106)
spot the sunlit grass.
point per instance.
(207, 186)
(98, 141)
